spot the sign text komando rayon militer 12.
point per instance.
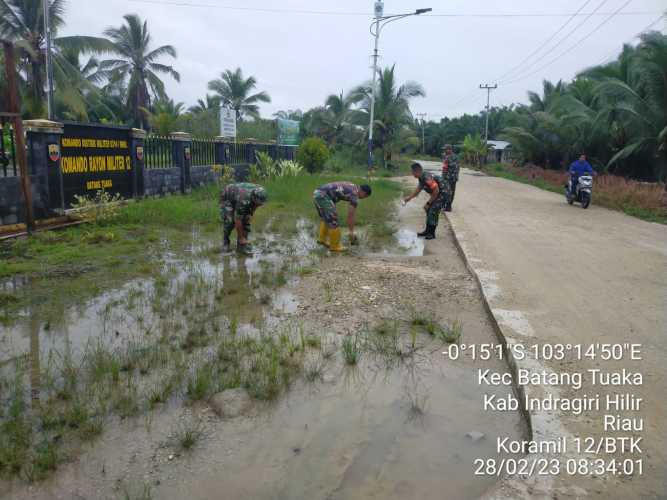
(95, 158)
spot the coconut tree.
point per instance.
(290, 114)
(136, 65)
(392, 107)
(341, 116)
(236, 90)
(165, 117)
(22, 22)
(642, 107)
(206, 105)
(550, 92)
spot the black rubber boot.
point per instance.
(431, 233)
(226, 243)
(424, 233)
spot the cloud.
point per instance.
(300, 59)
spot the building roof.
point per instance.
(499, 145)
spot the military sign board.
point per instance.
(227, 122)
(95, 158)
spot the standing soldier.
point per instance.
(438, 191)
(450, 174)
(325, 198)
(238, 203)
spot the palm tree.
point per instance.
(235, 90)
(642, 106)
(22, 22)
(208, 104)
(549, 93)
(474, 148)
(290, 114)
(137, 65)
(341, 115)
(165, 117)
(392, 107)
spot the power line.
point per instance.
(269, 10)
(467, 97)
(579, 42)
(558, 44)
(605, 60)
(546, 42)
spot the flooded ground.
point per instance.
(350, 397)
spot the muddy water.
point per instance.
(384, 429)
(255, 285)
(354, 436)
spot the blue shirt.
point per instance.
(580, 168)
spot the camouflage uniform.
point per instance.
(428, 183)
(326, 197)
(236, 202)
(450, 172)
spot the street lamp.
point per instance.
(380, 22)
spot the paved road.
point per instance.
(554, 273)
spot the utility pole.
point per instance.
(488, 89)
(379, 12)
(49, 63)
(15, 113)
(376, 28)
(422, 116)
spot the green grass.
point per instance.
(291, 199)
(187, 434)
(351, 349)
(87, 260)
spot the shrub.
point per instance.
(101, 208)
(313, 154)
(289, 168)
(266, 165)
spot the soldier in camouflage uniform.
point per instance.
(238, 203)
(450, 173)
(438, 192)
(325, 198)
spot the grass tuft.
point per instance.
(351, 349)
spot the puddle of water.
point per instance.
(410, 243)
(355, 436)
(356, 433)
(252, 290)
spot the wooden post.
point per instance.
(15, 109)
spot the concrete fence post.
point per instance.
(137, 145)
(182, 153)
(43, 145)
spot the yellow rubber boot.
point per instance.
(334, 241)
(324, 233)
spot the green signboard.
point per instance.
(288, 132)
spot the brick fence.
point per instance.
(69, 159)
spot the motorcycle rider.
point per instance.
(577, 169)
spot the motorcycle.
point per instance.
(583, 192)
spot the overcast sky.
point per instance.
(300, 58)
